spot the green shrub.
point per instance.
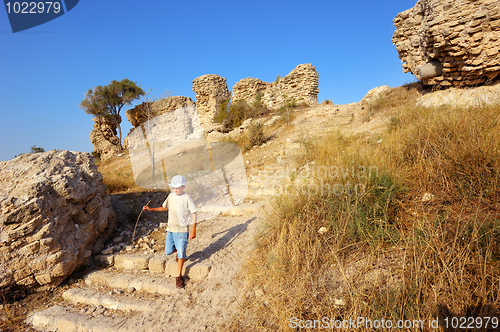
(222, 112)
(256, 134)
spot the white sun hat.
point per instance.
(177, 181)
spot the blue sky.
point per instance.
(164, 45)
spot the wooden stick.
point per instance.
(133, 234)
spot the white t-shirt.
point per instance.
(180, 208)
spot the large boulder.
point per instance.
(450, 43)
(54, 207)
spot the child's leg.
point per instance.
(180, 264)
(169, 244)
(180, 240)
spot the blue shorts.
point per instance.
(177, 241)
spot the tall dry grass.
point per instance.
(388, 252)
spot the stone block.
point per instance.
(66, 324)
(132, 262)
(157, 264)
(195, 271)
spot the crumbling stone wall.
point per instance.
(139, 114)
(450, 43)
(211, 90)
(301, 85)
(104, 138)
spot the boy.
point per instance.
(180, 209)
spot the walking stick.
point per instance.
(133, 234)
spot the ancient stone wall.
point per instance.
(450, 43)
(54, 209)
(300, 85)
(104, 138)
(211, 90)
(139, 114)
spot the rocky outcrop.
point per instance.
(103, 137)
(139, 114)
(450, 43)
(54, 208)
(486, 95)
(300, 85)
(211, 91)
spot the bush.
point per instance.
(256, 134)
(222, 111)
(232, 115)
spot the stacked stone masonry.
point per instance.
(300, 85)
(140, 114)
(450, 43)
(211, 91)
(104, 138)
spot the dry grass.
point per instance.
(117, 175)
(386, 252)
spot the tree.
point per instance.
(106, 102)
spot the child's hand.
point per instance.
(192, 235)
(146, 208)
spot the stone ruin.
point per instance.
(139, 114)
(211, 91)
(450, 43)
(104, 138)
(55, 216)
(300, 85)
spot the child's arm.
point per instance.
(158, 209)
(193, 231)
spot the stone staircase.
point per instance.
(137, 292)
(129, 292)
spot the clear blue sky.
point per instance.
(164, 45)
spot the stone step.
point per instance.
(61, 319)
(91, 297)
(158, 264)
(125, 281)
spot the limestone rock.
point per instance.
(104, 138)
(139, 114)
(376, 93)
(301, 85)
(54, 208)
(450, 43)
(459, 97)
(211, 90)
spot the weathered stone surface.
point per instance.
(376, 93)
(459, 97)
(104, 138)
(211, 90)
(132, 262)
(456, 43)
(54, 206)
(139, 114)
(301, 85)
